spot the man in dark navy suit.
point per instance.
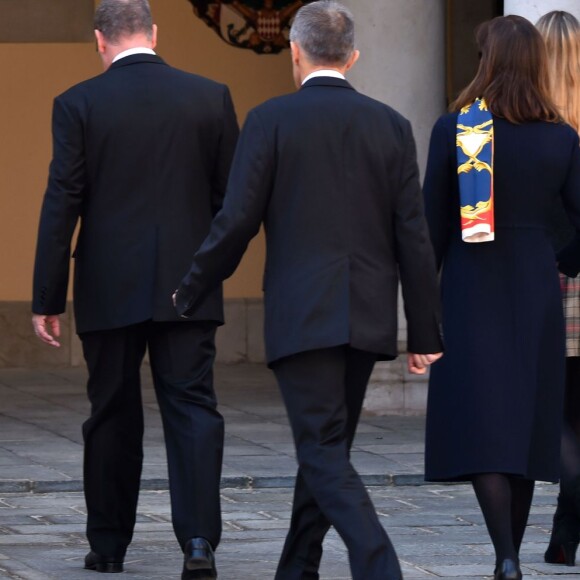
(141, 157)
(333, 176)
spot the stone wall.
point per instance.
(240, 341)
(391, 390)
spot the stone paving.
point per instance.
(437, 530)
(41, 443)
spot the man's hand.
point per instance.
(418, 363)
(44, 325)
(174, 299)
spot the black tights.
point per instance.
(570, 454)
(505, 501)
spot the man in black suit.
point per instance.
(141, 156)
(333, 176)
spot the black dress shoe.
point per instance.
(565, 534)
(508, 570)
(199, 561)
(98, 563)
(198, 575)
(566, 529)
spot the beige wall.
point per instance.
(33, 74)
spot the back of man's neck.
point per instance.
(129, 43)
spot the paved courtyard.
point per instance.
(438, 533)
(437, 530)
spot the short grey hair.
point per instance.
(117, 19)
(325, 32)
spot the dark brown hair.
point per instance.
(513, 72)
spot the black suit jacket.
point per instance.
(333, 176)
(141, 155)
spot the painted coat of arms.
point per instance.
(260, 25)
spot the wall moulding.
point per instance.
(46, 20)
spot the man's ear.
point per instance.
(154, 36)
(101, 42)
(295, 52)
(353, 58)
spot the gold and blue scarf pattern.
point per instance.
(475, 172)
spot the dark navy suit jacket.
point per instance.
(333, 176)
(141, 156)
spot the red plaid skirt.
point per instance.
(571, 298)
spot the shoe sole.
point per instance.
(561, 554)
(107, 567)
(198, 564)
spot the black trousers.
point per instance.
(324, 391)
(181, 355)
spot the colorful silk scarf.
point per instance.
(475, 171)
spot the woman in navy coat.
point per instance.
(495, 399)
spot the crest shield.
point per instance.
(259, 25)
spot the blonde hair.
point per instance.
(561, 33)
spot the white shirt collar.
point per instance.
(324, 73)
(132, 51)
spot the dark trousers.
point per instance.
(181, 356)
(323, 391)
